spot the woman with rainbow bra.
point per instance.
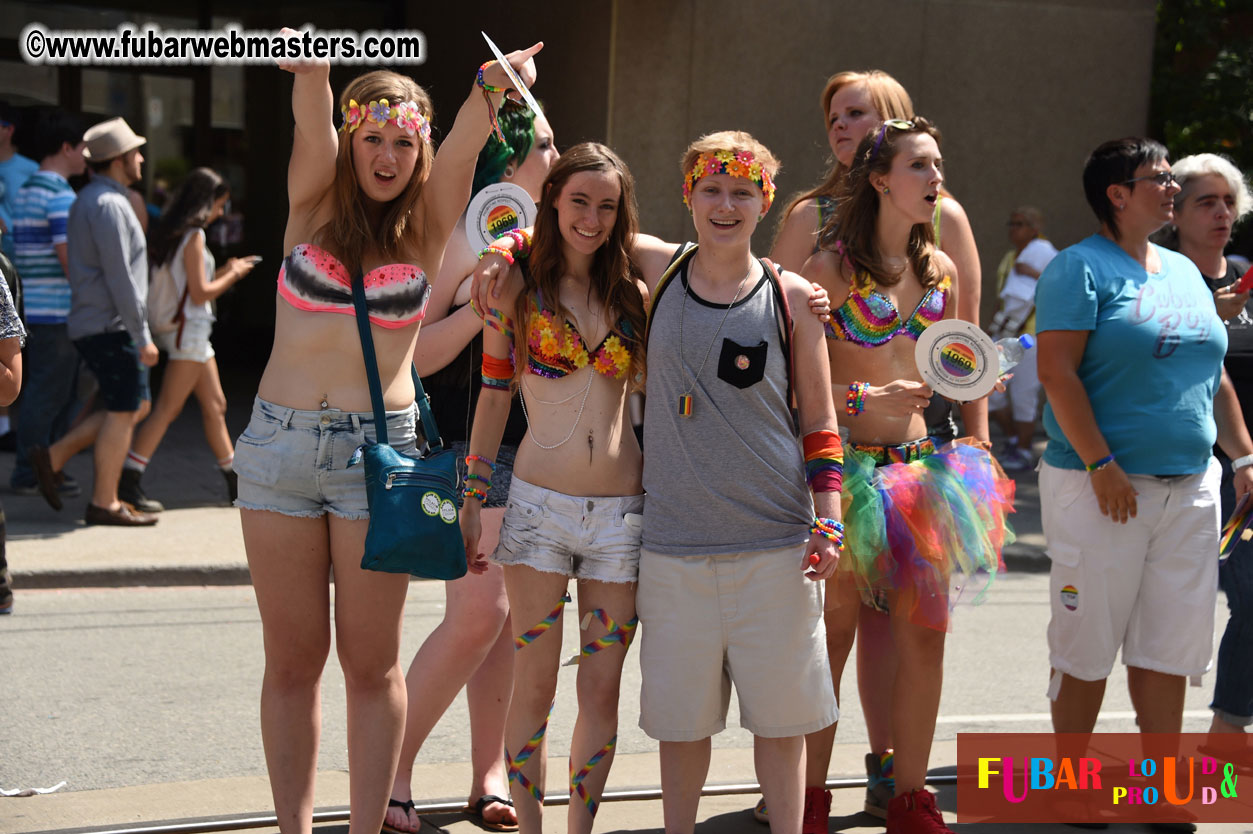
(567, 337)
(371, 202)
(923, 519)
(853, 104)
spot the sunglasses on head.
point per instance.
(896, 124)
(1163, 178)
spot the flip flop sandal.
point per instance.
(408, 806)
(475, 813)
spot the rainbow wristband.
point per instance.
(488, 89)
(475, 492)
(855, 403)
(521, 239)
(824, 461)
(486, 480)
(472, 458)
(493, 249)
(1097, 466)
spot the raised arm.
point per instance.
(314, 146)
(447, 191)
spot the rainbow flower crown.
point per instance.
(735, 163)
(405, 115)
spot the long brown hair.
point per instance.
(349, 233)
(851, 230)
(890, 100)
(613, 273)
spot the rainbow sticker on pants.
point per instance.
(1070, 597)
(957, 359)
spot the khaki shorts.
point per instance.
(1148, 586)
(749, 619)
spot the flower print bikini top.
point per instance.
(315, 281)
(870, 319)
(555, 348)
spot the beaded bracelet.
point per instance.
(1097, 466)
(488, 89)
(485, 479)
(472, 458)
(475, 492)
(493, 249)
(829, 529)
(520, 239)
(855, 403)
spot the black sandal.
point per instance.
(408, 806)
(475, 813)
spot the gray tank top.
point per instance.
(729, 478)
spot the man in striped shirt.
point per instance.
(41, 210)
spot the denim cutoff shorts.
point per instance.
(580, 536)
(296, 462)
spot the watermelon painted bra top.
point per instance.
(868, 317)
(313, 280)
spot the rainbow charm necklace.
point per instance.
(685, 399)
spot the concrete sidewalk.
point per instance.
(198, 540)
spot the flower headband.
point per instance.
(406, 115)
(735, 163)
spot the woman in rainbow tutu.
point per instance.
(925, 522)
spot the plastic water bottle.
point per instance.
(1011, 350)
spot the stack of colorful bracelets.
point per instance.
(856, 402)
(488, 89)
(518, 236)
(486, 480)
(830, 529)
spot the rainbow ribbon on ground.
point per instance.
(515, 764)
(543, 625)
(576, 778)
(1235, 526)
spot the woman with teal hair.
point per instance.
(473, 646)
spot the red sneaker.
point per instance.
(915, 813)
(817, 814)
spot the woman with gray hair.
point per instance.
(1214, 196)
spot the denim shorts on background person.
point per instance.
(296, 462)
(586, 537)
(113, 359)
(190, 343)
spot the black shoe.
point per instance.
(124, 516)
(129, 491)
(232, 483)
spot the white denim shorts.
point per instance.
(586, 537)
(191, 344)
(1148, 586)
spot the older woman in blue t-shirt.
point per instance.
(1131, 353)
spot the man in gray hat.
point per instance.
(108, 322)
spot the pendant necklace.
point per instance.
(685, 399)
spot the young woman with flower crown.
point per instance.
(728, 183)
(922, 516)
(372, 203)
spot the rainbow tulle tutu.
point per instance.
(927, 533)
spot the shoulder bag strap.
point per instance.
(429, 428)
(681, 256)
(785, 310)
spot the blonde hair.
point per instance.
(890, 100)
(1033, 216)
(730, 140)
(349, 232)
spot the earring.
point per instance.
(508, 171)
(886, 190)
(1122, 206)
